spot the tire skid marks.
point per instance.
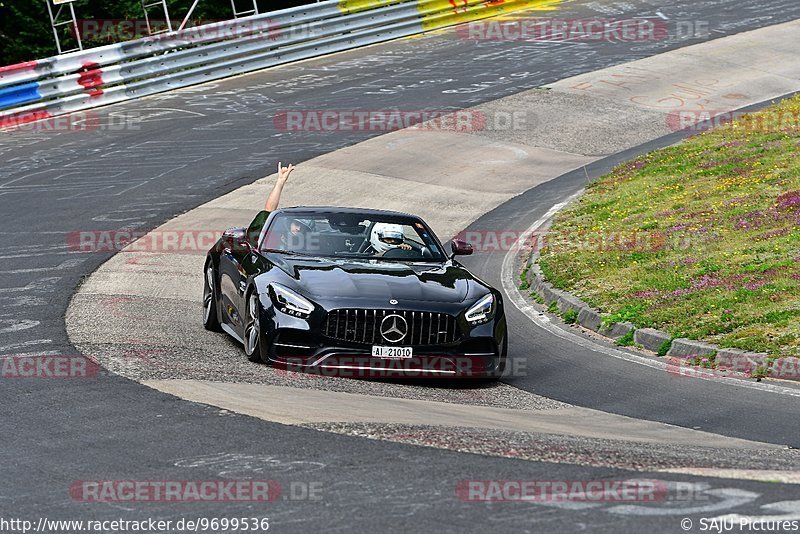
(15, 325)
(8, 301)
(26, 296)
(41, 285)
(5, 349)
(30, 354)
(63, 266)
(37, 254)
(117, 170)
(36, 293)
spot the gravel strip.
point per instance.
(126, 335)
(224, 361)
(569, 449)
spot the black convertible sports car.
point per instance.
(353, 292)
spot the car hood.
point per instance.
(379, 280)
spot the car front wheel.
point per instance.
(210, 317)
(253, 339)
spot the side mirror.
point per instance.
(236, 239)
(460, 247)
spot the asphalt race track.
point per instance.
(181, 149)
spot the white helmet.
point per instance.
(383, 231)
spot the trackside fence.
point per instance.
(123, 71)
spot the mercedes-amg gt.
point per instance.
(353, 292)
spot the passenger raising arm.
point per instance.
(274, 198)
(273, 201)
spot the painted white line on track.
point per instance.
(784, 477)
(790, 509)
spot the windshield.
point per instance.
(352, 236)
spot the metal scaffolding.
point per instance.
(149, 5)
(59, 20)
(245, 12)
(62, 14)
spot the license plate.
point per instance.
(392, 353)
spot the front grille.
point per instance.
(363, 326)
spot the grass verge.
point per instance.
(701, 240)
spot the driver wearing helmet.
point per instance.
(296, 234)
(385, 237)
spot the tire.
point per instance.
(210, 315)
(504, 356)
(494, 379)
(254, 346)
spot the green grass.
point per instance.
(627, 314)
(626, 340)
(523, 277)
(570, 316)
(701, 240)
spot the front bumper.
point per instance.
(357, 362)
(299, 345)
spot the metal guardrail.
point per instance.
(123, 71)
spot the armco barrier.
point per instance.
(109, 74)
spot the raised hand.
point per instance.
(284, 172)
(274, 199)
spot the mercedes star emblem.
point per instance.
(394, 328)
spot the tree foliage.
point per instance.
(25, 32)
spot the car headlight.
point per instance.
(482, 311)
(290, 302)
